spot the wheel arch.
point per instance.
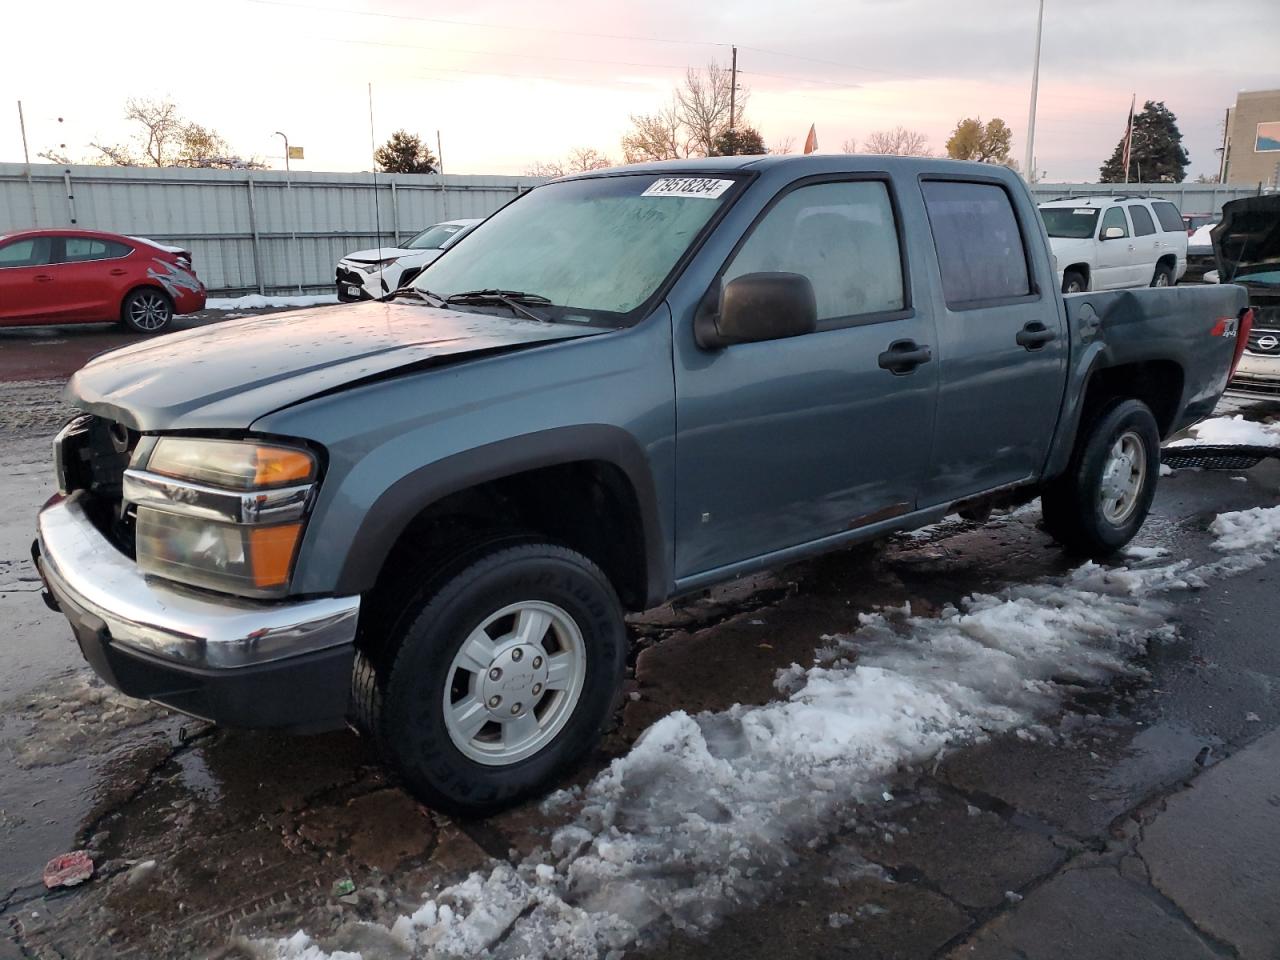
(142, 285)
(1081, 268)
(556, 483)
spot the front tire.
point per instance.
(147, 310)
(1100, 503)
(1163, 277)
(502, 677)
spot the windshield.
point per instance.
(434, 238)
(1072, 223)
(597, 249)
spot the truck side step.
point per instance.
(1217, 456)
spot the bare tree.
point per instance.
(582, 159)
(849, 146)
(162, 128)
(579, 160)
(783, 146)
(655, 136)
(704, 102)
(898, 142)
(114, 155)
(692, 123)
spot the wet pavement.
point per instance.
(1114, 830)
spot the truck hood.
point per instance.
(1070, 250)
(228, 375)
(379, 253)
(1248, 238)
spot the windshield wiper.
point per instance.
(513, 300)
(432, 298)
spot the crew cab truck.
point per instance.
(428, 516)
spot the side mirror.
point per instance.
(1113, 233)
(760, 306)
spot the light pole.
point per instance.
(293, 230)
(1031, 119)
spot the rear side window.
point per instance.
(33, 252)
(975, 232)
(842, 236)
(1143, 225)
(1169, 216)
(1114, 217)
(80, 249)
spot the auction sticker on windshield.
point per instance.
(687, 187)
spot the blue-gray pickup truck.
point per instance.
(426, 516)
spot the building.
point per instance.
(1251, 148)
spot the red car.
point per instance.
(86, 276)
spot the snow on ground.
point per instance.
(707, 812)
(256, 301)
(1232, 430)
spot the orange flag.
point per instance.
(811, 141)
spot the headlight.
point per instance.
(376, 266)
(231, 463)
(222, 514)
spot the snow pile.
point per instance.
(256, 301)
(1227, 430)
(706, 812)
(1256, 529)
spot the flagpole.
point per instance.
(1128, 139)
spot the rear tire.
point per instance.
(1163, 277)
(497, 679)
(1100, 503)
(147, 310)
(1073, 281)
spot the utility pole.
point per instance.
(733, 89)
(293, 231)
(1035, 84)
(26, 160)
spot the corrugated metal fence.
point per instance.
(268, 232)
(249, 231)
(1191, 198)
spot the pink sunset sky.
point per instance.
(512, 83)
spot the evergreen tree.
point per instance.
(1156, 155)
(742, 141)
(405, 153)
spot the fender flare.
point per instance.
(405, 499)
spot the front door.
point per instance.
(1001, 343)
(783, 442)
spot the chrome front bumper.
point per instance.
(86, 575)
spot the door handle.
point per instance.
(903, 356)
(117, 272)
(1034, 335)
(42, 278)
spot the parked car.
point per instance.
(1247, 247)
(88, 276)
(1194, 221)
(429, 515)
(1200, 256)
(1105, 243)
(373, 274)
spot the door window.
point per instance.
(32, 252)
(843, 237)
(1143, 225)
(1114, 217)
(980, 252)
(1169, 217)
(81, 249)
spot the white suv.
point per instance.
(1101, 243)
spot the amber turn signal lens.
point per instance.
(278, 465)
(271, 553)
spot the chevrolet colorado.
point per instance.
(427, 516)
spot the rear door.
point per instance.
(784, 442)
(1115, 254)
(1146, 245)
(28, 290)
(1001, 345)
(94, 273)
(1173, 236)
